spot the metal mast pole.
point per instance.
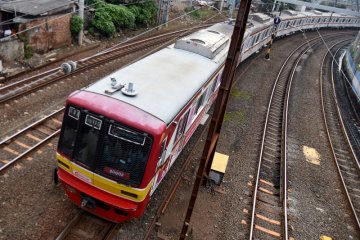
(81, 14)
(273, 8)
(221, 5)
(220, 105)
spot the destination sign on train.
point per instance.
(126, 135)
(93, 122)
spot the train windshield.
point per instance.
(105, 147)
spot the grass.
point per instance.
(239, 94)
(202, 14)
(238, 116)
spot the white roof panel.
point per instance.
(157, 79)
(166, 80)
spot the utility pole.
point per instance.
(81, 14)
(166, 12)
(221, 5)
(273, 8)
(220, 107)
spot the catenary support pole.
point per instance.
(81, 14)
(220, 107)
(221, 5)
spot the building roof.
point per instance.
(35, 7)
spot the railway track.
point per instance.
(346, 161)
(86, 226)
(269, 206)
(30, 84)
(28, 139)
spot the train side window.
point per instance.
(162, 154)
(257, 38)
(69, 131)
(267, 33)
(287, 24)
(213, 85)
(182, 126)
(250, 42)
(246, 43)
(264, 33)
(199, 103)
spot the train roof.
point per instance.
(168, 79)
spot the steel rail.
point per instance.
(31, 126)
(283, 105)
(263, 140)
(349, 151)
(43, 74)
(35, 146)
(86, 63)
(70, 225)
(108, 234)
(2, 168)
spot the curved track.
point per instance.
(341, 147)
(269, 206)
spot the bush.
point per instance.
(103, 23)
(28, 51)
(120, 16)
(109, 17)
(145, 13)
(76, 24)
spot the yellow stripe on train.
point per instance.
(133, 194)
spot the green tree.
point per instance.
(145, 13)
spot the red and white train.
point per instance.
(121, 135)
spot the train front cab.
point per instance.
(111, 173)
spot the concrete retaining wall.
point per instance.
(11, 49)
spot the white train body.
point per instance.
(116, 146)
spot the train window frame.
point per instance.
(135, 176)
(268, 31)
(246, 43)
(250, 43)
(66, 119)
(182, 126)
(162, 154)
(199, 103)
(89, 164)
(287, 24)
(257, 38)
